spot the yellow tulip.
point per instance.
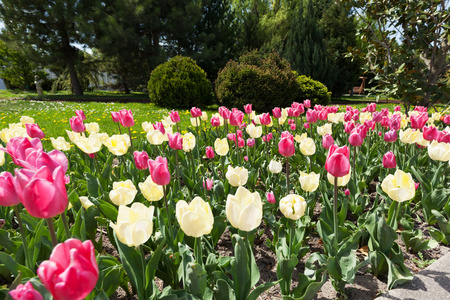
(60, 144)
(155, 137)
(150, 190)
(89, 145)
(221, 146)
(325, 129)
(92, 127)
(118, 144)
(188, 142)
(307, 147)
(26, 120)
(254, 131)
(2, 157)
(293, 206)
(275, 167)
(439, 151)
(409, 136)
(85, 202)
(400, 186)
(309, 182)
(244, 209)
(237, 176)
(123, 192)
(342, 181)
(196, 218)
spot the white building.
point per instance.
(2, 85)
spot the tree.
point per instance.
(15, 68)
(49, 28)
(407, 47)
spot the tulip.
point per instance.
(25, 292)
(123, 192)
(372, 107)
(369, 124)
(80, 113)
(430, 133)
(236, 118)
(126, 118)
(265, 119)
(355, 139)
(447, 119)
(399, 187)
(376, 117)
(306, 125)
(322, 115)
(241, 142)
(210, 152)
(150, 190)
(307, 103)
(208, 184)
(8, 194)
(417, 185)
(224, 112)
(71, 271)
(347, 192)
(34, 131)
(2, 156)
(140, 160)
(390, 136)
(309, 182)
(267, 137)
(389, 161)
(115, 116)
(159, 126)
(311, 116)
(26, 120)
(271, 198)
(385, 121)
(325, 129)
(196, 218)
(394, 124)
(221, 146)
(341, 181)
(215, 122)
(327, 141)
(248, 109)
(293, 206)
(85, 202)
(409, 136)
(439, 151)
(237, 176)
(300, 109)
(286, 145)
(155, 137)
(307, 147)
(159, 170)
(444, 137)
(398, 108)
(337, 163)
(76, 123)
(244, 209)
(92, 127)
(276, 112)
(175, 141)
(19, 148)
(118, 144)
(204, 116)
(174, 116)
(417, 122)
(275, 167)
(134, 224)
(188, 142)
(89, 145)
(254, 131)
(42, 192)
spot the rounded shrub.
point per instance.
(180, 83)
(313, 90)
(264, 80)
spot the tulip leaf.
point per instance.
(219, 227)
(110, 274)
(196, 279)
(224, 291)
(285, 269)
(107, 209)
(152, 265)
(7, 242)
(308, 287)
(92, 185)
(14, 267)
(261, 289)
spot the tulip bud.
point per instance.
(244, 209)
(236, 118)
(76, 123)
(34, 131)
(275, 167)
(126, 118)
(251, 142)
(338, 161)
(208, 184)
(347, 192)
(140, 160)
(159, 170)
(210, 152)
(241, 142)
(196, 218)
(327, 141)
(417, 185)
(248, 109)
(246, 158)
(174, 116)
(389, 161)
(25, 292)
(286, 145)
(293, 206)
(271, 198)
(306, 125)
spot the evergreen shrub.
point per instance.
(313, 90)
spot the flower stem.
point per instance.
(144, 279)
(335, 219)
(287, 175)
(28, 261)
(131, 140)
(66, 225)
(178, 169)
(198, 251)
(51, 228)
(354, 164)
(167, 211)
(120, 131)
(237, 147)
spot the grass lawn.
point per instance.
(53, 116)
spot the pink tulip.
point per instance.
(416, 185)
(159, 126)
(447, 119)
(417, 122)
(347, 192)
(286, 146)
(210, 152)
(239, 133)
(251, 142)
(196, 112)
(38, 158)
(265, 119)
(140, 160)
(307, 103)
(241, 142)
(389, 161)
(236, 118)
(267, 137)
(248, 109)
(306, 125)
(322, 115)
(8, 194)
(246, 158)
(224, 112)
(311, 116)
(355, 139)
(394, 124)
(369, 124)
(421, 109)
(126, 118)
(34, 131)
(276, 112)
(42, 192)
(77, 125)
(231, 137)
(71, 271)
(291, 112)
(25, 292)
(372, 107)
(271, 198)
(348, 116)
(327, 141)
(398, 108)
(385, 121)
(338, 161)
(390, 136)
(159, 170)
(91, 155)
(363, 110)
(444, 137)
(348, 127)
(215, 121)
(376, 117)
(295, 105)
(430, 133)
(80, 113)
(209, 184)
(19, 148)
(174, 116)
(115, 115)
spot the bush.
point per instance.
(264, 80)
(313, 90)
(180, 83)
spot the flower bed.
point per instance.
(193, 212)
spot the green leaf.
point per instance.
(92, 185)
(261, 289)
(152, 265)
(224, 291)
(14, 267)
(196, 279)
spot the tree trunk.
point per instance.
(125, 85)
(76, 86)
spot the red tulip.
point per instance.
(215, 121)
(80, 113)
(430, 133)
(389, 161)
(25, 292)
(251, 142)
(159, 170)
(372, 107)
(286, 146)
(276, 112)
(444, 137)
(390, 136)
(300, 109)
(307, 103)
(210, 152)
(241, 142)
(126, 118)
(141, 160)
(311, 116)
(42, 192)
(355, 139)
(34, 131)
(327, 141)
(418, 121)
(398, 108)
(447, 119)
(322, 115)
(338, 161)
(265, 119)
(348, 127)
(376, 117)
(8, 194)
(271, 198)
(174, 116)
(347, 192)
(236, 118)
(76, 123)
(71, 271)
(248, 109)
(385, 121)
(224, 112)
(293, 126)
(306, 125)
(115, 115)
(348, 116)
(196, 112)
